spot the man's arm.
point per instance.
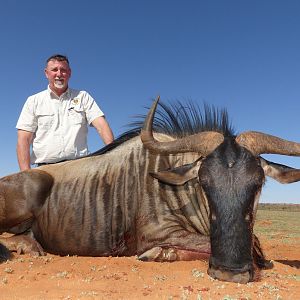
(103, 129)
(23, 148)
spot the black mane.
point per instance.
(178, 120)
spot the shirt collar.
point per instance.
(53, 95)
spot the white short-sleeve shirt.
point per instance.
(60, 124)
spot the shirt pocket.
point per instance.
(76, 116)
(45, 120)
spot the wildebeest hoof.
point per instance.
(151, 254)
(159, 254)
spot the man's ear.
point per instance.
(179, 175)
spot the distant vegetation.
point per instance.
(279, 206)
(279, 221)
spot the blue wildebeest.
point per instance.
(187, 189)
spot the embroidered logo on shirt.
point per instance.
(75, 101)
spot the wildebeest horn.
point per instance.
(202, 143)
(259, 143)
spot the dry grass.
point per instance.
(272, 224)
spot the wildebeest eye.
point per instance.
(213, 217)
(247, 217)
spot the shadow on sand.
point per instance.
(291, 263)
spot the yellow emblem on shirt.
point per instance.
(75, 101)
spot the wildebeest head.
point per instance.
(231, 174)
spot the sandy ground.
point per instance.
(55, 277)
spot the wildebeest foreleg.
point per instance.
(162, 254)
(175, 246)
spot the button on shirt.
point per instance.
(60, 124)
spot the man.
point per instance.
(54, 121)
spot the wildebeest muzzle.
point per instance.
(242, 274)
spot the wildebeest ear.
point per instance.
(179, 175)
(281, 173)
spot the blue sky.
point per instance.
(242, 55)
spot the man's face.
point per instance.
(58, 74)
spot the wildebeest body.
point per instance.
(165, 196)
(108, 205)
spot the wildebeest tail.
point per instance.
(5, 254)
